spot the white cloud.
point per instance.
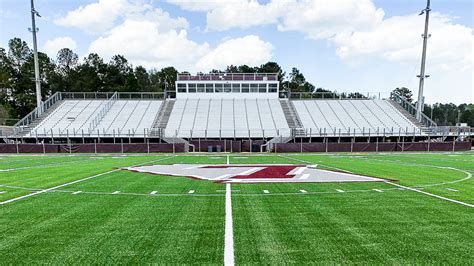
(394, 39)
(52, 47)
(145, 41)
(95, 17)
(226, 14)
(142, 42)
(322, 19)
(316, 18)
(249, 50)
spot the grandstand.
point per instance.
(225, 106)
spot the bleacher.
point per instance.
(74, 117)
(226, 118)
(352, 116)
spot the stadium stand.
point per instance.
(74, 117)
(353, 116)
(219, 106)
(226, 118)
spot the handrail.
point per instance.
(411, 109)
(100, 115)
(29, 118)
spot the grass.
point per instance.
(361, 226)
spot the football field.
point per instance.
(86, 209)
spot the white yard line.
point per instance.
(432, 195)
(303, 191)
(228, 159)
(1, 192)
(72, 183)
(266, 191)
(191, 192)
(378, 190)
(56, 187)
(340, 190)
(116, 192)
(452, 189)
(229, 229)
(77, 192)
(153, 192)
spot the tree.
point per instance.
(143, 79)
(272, 67)
(168, 76)
(18, 52)
(119, 75)
(405, 93)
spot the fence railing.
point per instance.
(332, 95)
(103, 111)
(119, 95)
(283, 133)
(23, 124)
(411, 109)
(229, 77)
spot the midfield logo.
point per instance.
(245, 173)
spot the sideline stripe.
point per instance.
(74, 182)
(228, 159)
(77, 192)
(229, 228)
(432, 195)
(153, 192)
(266, 191)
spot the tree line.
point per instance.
(66, 73)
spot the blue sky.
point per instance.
(344, 45)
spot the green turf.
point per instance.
(361, 226)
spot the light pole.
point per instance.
(422, 75)
(33, 30)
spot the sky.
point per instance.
(368, 46)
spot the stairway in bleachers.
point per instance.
(163, 115)
(292, 117)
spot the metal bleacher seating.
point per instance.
(354, 116)
(226, 118)
(73, 118)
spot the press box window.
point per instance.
(181, 87)
(272, 87)
(210, 88)
(235, 87)
(201, 88)
(227, 88)
(191, 88)
(245, 88)
(219, 88)
(262, 88)
(253, 87)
